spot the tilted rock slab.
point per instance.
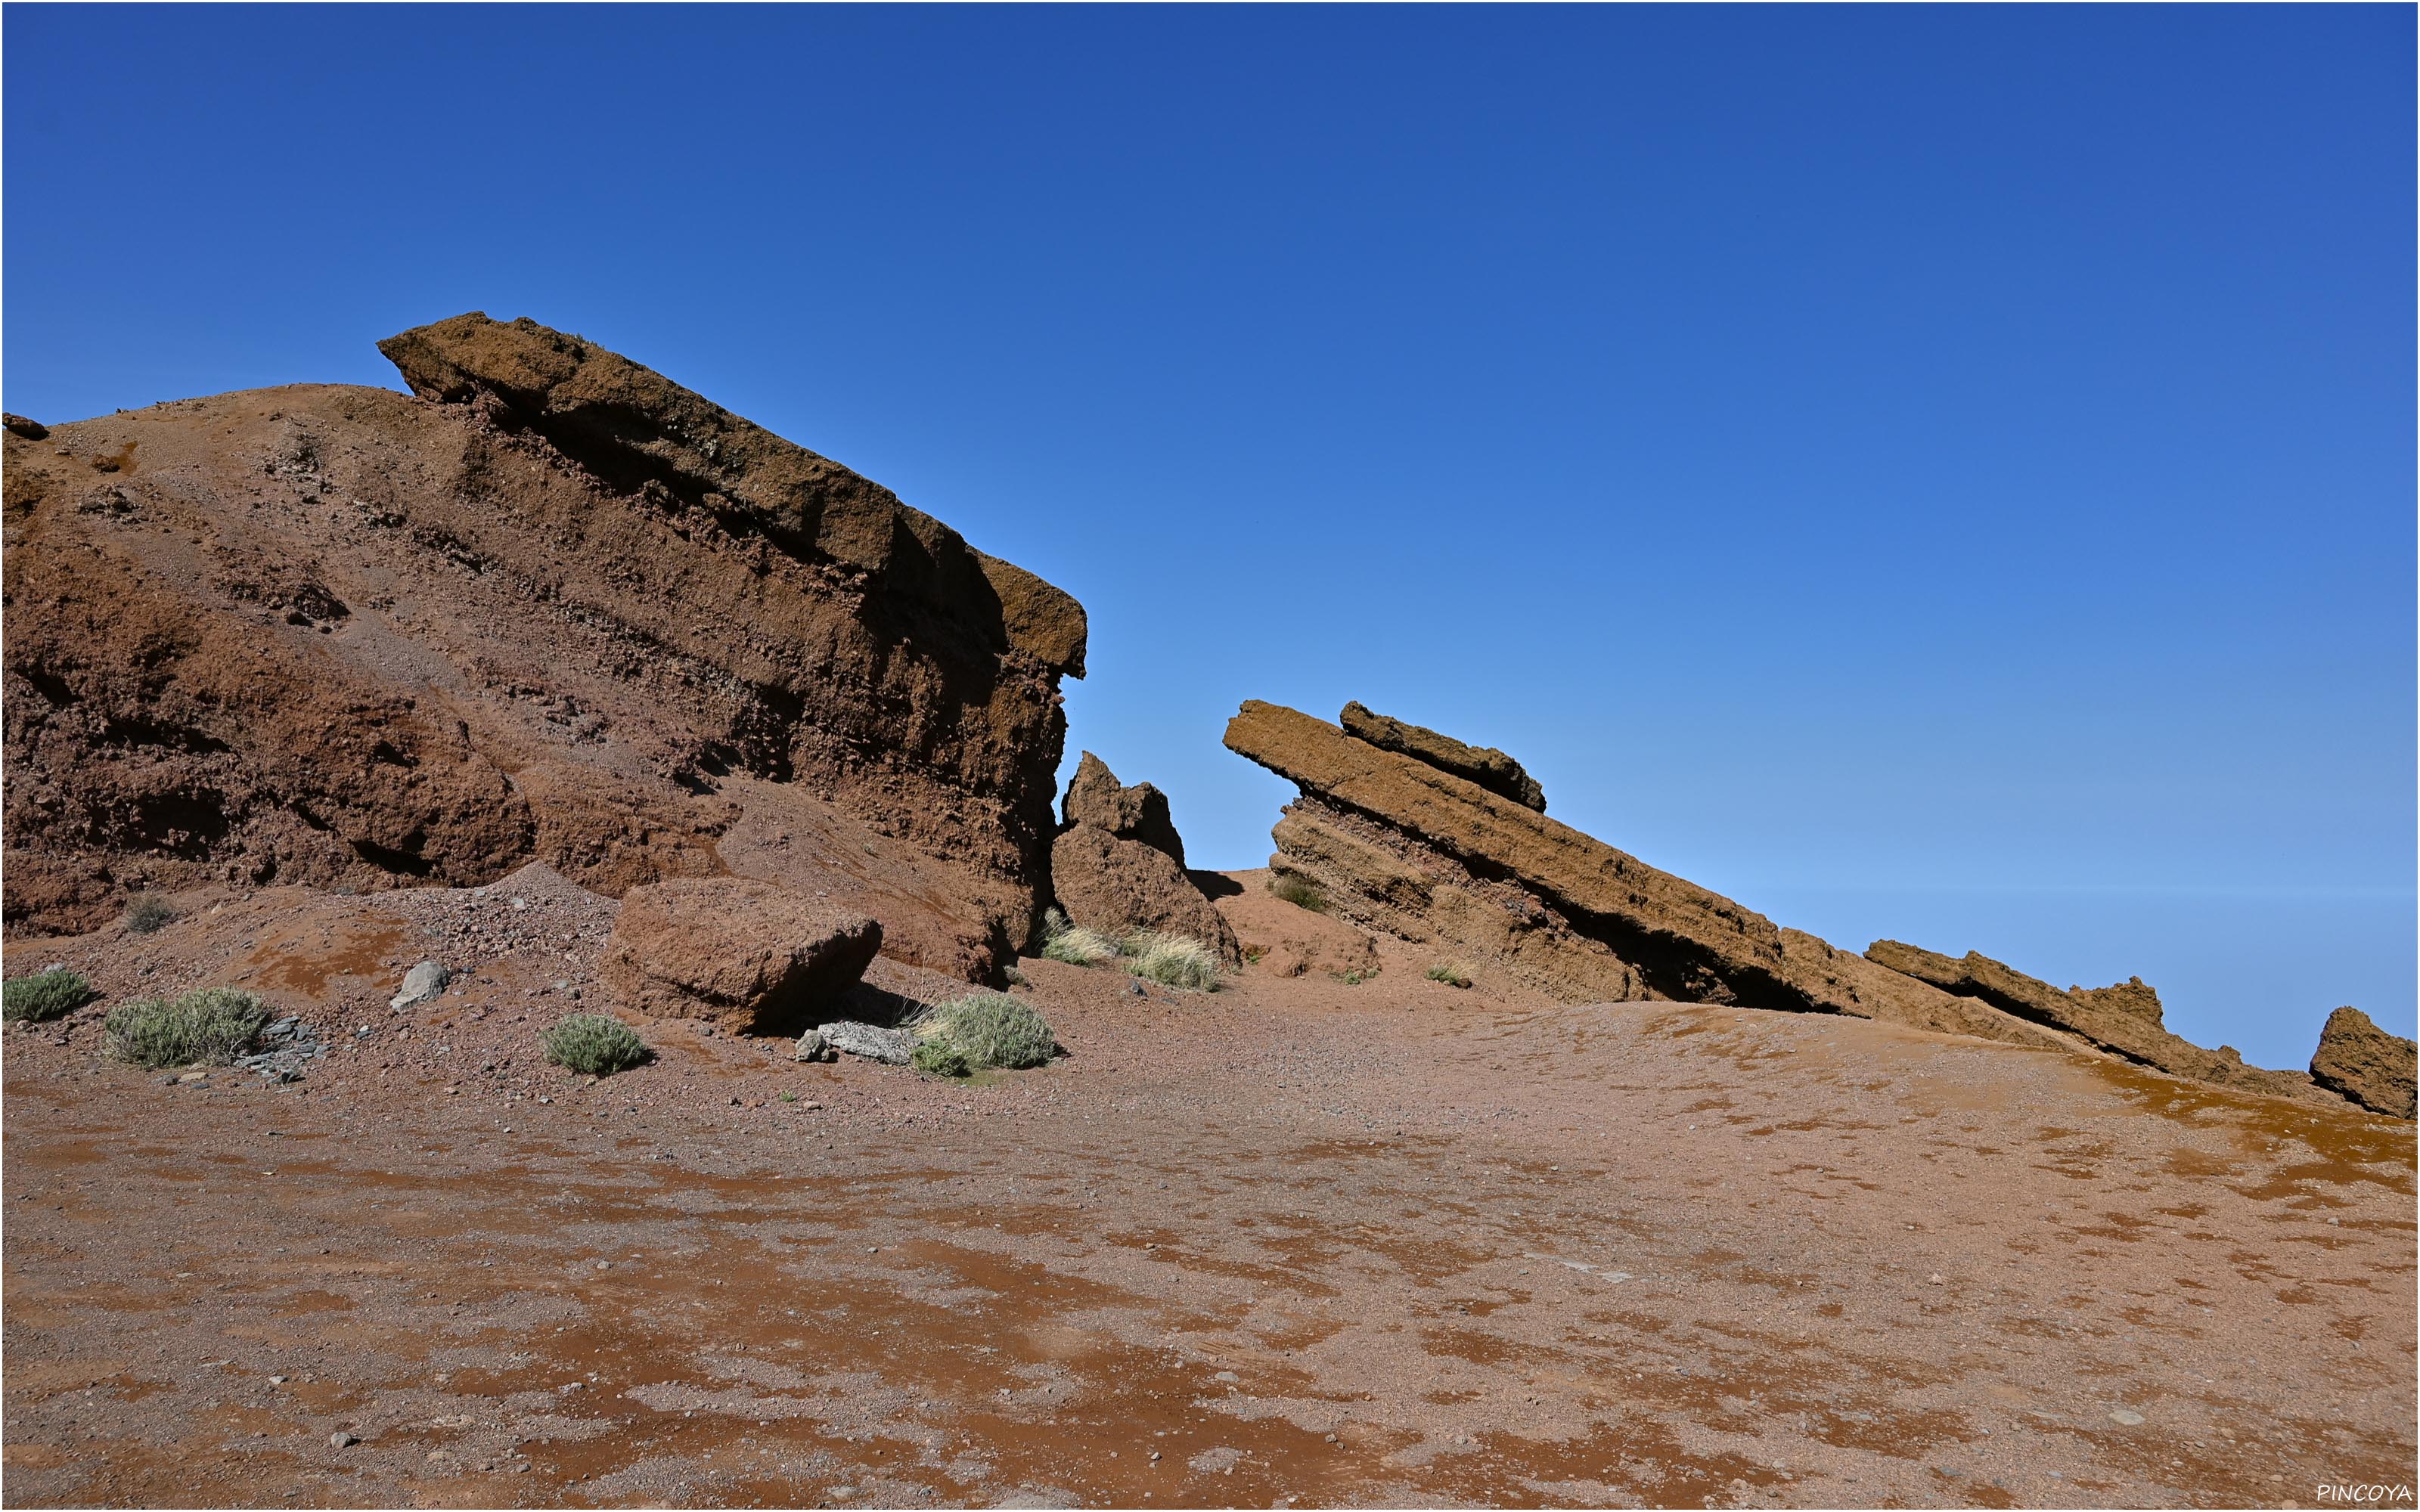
(2124, 1020)
(748, 956)
(551, 607)
(1120, 866)
(2365, 1064)
(1487, 766)
(1398, 844)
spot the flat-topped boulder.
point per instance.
(748, 956)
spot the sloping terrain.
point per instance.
(556, 609)
(1392, 1243)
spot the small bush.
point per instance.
(43, 997)
(208, 1027)
(938, 1057)
(1173, 961)
(1300, 892)
(594, 1044)
(1455, 974)
(147, 913)
(1074, 943)
(1355, 978)
(984, 1031)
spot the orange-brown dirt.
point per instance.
(1294, 1241)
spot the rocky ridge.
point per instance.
(1395, 833)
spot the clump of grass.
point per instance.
(1073, 942)
(594, 1046)
(147, 913)
(206, 1026)
(1355, 978)
(43, 997)
(1172, 961)
(1299, 891)
(980, 1032)
(1452, 974)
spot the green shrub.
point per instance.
(1299, 891)
(983, 1031)
(147, 913)
(43, 997)
(938, 1057)
(208, 1027)
(1355, 978)
(1455, 974)
(1074, 943)
(1173, 961)
(594, 1044)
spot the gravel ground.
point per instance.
(1297, 1242)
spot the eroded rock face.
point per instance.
(2364, 1064)
(557, 608)
(748, 956)
(1400, 843)
(2124, 1020)
(1119, 865)
(1485, 766)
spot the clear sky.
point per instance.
(1943, 473)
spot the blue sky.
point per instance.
(1944, 473)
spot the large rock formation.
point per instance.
(1120, 866)
(2365, 1064)
(1485, 766)
(2124, 1020)
(555, 606)
(1403, 843)
(746, 955)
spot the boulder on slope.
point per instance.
(2365, 1064)
(748, 956)
(1139, 812)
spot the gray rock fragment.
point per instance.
(423, 984)
(875, 1043)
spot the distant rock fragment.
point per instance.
(32, 430)
(745, 955)
(892, 1047)
(1118, 866)
(1485, 766)
(2365, 1064)
(425, 982)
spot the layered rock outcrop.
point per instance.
(2366, 1065)
(553, 606)
(2124, 1020)
(749, 956)
(1485, 766)
(1119, 865)
(1412, 846)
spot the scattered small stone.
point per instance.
(342, 1440)
(424, 984)
(2126, 1417)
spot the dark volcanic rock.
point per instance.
(750, 957)
(1487, 766)
(2365, 1064)
(559, 609)
(1118, 866)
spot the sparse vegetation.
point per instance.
(1074, 943)
(788, 1096)
(1355, 978)
(1299, 891)
(1172, 961)
(980, 1032)
(1453, 974)
(44, 996)
(206, 1026)
(147, 913)
(594, 1044)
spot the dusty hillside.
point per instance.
(1386, 1241)
(553, 607)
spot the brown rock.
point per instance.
(33, 430)
(1876, 992)
(1118, 866)
(1487, 766)
(1095, 796)
(326, 634)
(746, 955)
(2364, 1064)
(2123, 1020)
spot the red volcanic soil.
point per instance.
(1296, 1241)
